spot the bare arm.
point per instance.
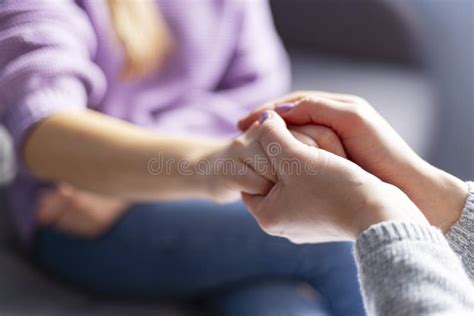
(98, 153)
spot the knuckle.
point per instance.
(267, 131)
(352, 98)
(296, 241)
(270, 224)
(357, 99)
(357, 113)
(310, 99)
(239, 143)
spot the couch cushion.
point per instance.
(402, 95)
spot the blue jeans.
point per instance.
(215, 252)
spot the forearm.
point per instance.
(97, 153)
(409, 269)
(448, 204)
(440, 196)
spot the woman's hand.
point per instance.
(371, 142)
(236, 166)
(319, 196)
(89, 215)
(320, 137)
(242, 166)
(78, 212)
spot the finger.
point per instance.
(341, 97)
(50, 207)
(325, 137)
(299, 95)
(261, 208)
(250, 182)
(254, 156)
(247, 121)
(74, 222)
(321, 111)
(252, 202)
(276, 140)
(302, 137)
(259, 163)
(66, 190)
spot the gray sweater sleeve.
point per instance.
(461, 236)
(409, 269)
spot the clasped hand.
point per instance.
(320, 195)
(317, 167)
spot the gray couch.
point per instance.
(369, 48)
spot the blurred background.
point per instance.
(413, 60)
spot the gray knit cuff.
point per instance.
(465, 224)
(383, 234)
(461, 234)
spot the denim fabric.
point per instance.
(215, 252)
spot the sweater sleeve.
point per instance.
(461, 235)
(409, 269)
(46, 62)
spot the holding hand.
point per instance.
(371, 142)
(330, 199)
(241, 164)
(78, 212)
(221, 167)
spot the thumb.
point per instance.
(276, 140)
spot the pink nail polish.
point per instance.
(285, 107)
(263, 117)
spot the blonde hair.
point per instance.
(143, 34)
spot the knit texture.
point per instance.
(409, 269)
(461, 235)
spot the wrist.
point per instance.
(440, 196)
(196, 167)
(388, 203)
(210, 176)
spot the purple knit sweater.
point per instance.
(59, 56)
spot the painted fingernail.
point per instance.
(285, 107)
(263, 117)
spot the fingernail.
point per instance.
(285, 107)
(263, 117)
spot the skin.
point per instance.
(100, 165)
(103, 155)
(78, 212)
(103, 159)
(336, 201)
(370, 142)
(315, 122)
